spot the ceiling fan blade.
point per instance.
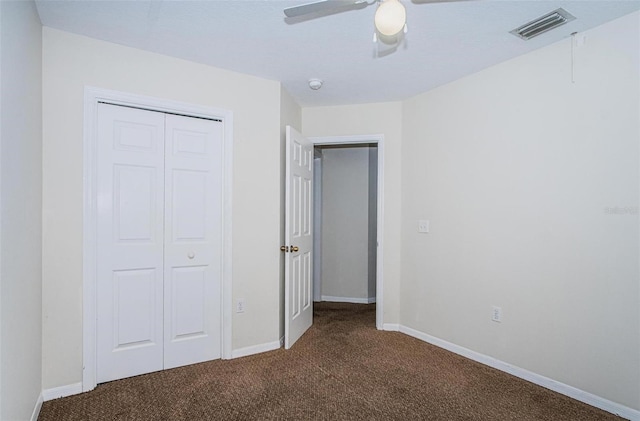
(318, 6)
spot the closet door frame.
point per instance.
(92, 97)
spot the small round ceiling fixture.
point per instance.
(315, 84)
(390, 17)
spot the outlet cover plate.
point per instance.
(496, 314)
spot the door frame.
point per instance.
(93, 96)
(317, 228)
(377, 139)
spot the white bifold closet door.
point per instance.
(159, 241)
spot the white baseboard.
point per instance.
(392, 327)
(256, 349)
(353, 300)
(62, 391)
(565, 389)
(37, 407)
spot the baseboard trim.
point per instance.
(256, 349)
(352, 300)
(62, 391)
(546, 382)
(37, 408)
(391, 327)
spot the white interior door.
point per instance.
(130, 242)
(298, 236)
(193, 229)
(159, 241)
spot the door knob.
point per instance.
(294, 248)
(284, 248)
(191, 255)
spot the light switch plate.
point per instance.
(423, 226)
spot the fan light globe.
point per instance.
(390, 17)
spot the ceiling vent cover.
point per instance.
(543, 24)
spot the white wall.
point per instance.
(20, 209)
(518, 170)
(345, 224)
(69, 63)
(290, 115)
(363, 119)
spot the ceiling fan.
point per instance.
(390, 18)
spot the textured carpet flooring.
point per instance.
(341, 369)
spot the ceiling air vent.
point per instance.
(543, 24)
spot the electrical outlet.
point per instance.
(240, 306)
(423, 226)
(496, 314)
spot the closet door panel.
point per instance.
(130, 239)
(193, 233)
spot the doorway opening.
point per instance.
(348, 221)
(345, 223)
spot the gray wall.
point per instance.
(20, 209)
(373, 220)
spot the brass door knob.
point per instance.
(284, 248)
(294, 248)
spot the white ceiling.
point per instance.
(445, 40)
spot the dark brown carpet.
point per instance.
(341, 369)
